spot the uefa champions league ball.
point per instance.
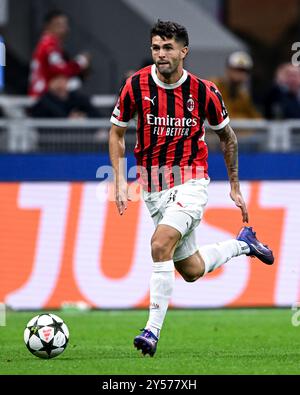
(46, 336)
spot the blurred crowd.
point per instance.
(283, 100)
(56, 80)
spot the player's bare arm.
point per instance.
(117, 153)
(229, 146)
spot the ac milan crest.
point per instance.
(190, 104)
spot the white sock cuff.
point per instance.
(167, 266)
(215, 255)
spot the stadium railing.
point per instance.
(18, 133)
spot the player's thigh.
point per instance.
(172, 226)
(165, 238)
(172, 230)
(191, 268)
(187, 258)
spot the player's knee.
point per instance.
(161, 249)
(158, 249)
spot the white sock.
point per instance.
(215, 255)
(161, 288)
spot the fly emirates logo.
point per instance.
(171, 126)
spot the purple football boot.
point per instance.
(257, 249)
(147, 342)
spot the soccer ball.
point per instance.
(46, 336)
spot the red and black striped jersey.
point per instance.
(170, 124)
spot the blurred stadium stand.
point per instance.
(210, 42)
(113, 54)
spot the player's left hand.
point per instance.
(237, 197)
(121, 196)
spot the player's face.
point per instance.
(167, 55)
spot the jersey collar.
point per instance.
(163, 84)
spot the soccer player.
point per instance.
(171, 105)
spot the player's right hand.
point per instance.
(121, 195)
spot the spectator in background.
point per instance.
(283, 100)
(59, 102)
(234, 89)
(49, 58)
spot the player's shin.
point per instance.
(215, 255)
(161, 288)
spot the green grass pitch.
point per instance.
(241, 341)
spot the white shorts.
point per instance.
(181, 207)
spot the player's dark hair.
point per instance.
(168, 29)
(52, 15)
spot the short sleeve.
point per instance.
(216, 112)
(125, 107)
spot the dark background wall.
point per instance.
(103, 28)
